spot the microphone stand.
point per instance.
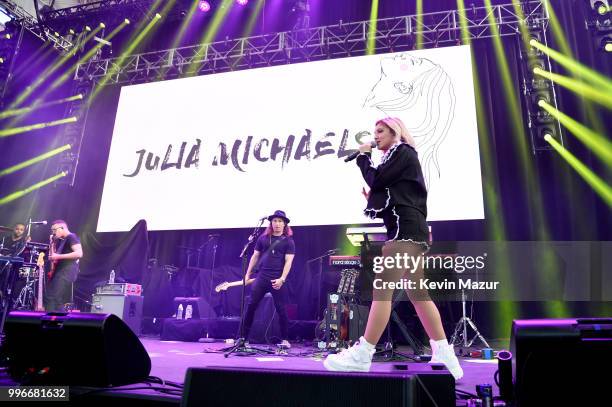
(212, 239)
(240, 345)
(320, 274)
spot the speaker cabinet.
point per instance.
(73, 349)
(561, 361)
(126, 307)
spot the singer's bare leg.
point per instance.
(380, 309)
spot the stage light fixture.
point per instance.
(72, 32)
(127, 21)
(102, 25)
(87, 28)
(158, 16)
(600, 6)
(605, 44)
(7, 36)
(242, 2)
(204, 6)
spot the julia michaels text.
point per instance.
(240, 152)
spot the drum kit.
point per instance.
(28, 275)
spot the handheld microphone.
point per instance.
(356, 153)
(40, 222)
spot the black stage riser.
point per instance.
(218, 386)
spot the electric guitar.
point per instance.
(40, 263)
(53, 265)
(225, 285)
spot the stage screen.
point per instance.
(223, 150)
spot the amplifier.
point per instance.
(126, 307)
(120, 289)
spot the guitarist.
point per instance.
(64, 256)
(273, 255)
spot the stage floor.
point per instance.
(170, 360)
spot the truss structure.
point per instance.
(29, 22)
(98, 7)
(335, 41)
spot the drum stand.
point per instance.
(26, 298)
(461, 329)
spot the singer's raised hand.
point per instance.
(365, 148)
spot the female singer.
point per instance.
(398, 196)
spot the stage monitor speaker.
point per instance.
(561, 361)
(73, 349)
(219, 386)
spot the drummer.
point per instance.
(18, 240)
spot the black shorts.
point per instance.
(404, 223)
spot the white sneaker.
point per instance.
(284, 344)
(445, 354)
(357, 358)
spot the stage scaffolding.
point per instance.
(333, 41)
(30, 23)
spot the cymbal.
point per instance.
(5, 229)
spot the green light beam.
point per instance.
(23, 192)
(599, 186)
(35, 160)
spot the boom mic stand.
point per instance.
(240, 345)
(319, 261)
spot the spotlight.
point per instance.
(1, 60)
(242, 2)
(7, 36)
(102, 25)
(600, 12)
(72, 32)
(600, 7)
(158, 16)
(127, 21)
(605, 43)
(204, 6)
(87, 28)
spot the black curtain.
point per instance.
(125, 253)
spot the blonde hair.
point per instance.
(399, 129)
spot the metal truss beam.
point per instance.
(342, 40)
(104, 6)
(111, 12)
(30, 23)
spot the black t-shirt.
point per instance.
(64, 246)
(16, 246)
(273, 261)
